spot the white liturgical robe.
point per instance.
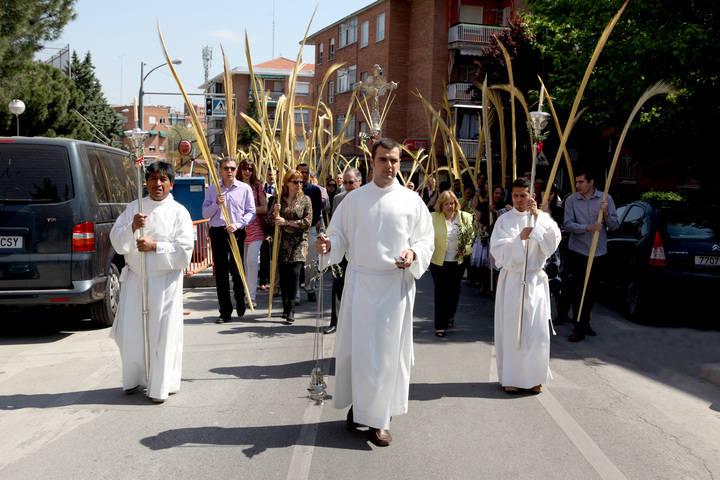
(169, 224)
(528, 365)
(374, 347)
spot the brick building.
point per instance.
(156, 121)
(274, 74)
(423, 45)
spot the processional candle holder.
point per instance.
(375, 86)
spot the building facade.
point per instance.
(426, 46)
(275, 75)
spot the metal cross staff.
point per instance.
(375, 87)
(137, 140)
(539, 120)
(318, 387)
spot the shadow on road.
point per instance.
(35, 325)
(259, 439)
(286, 370)
(436, 391)
(104, 396)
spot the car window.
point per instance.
(691, 224)
(633, 223)
(114, 176)
(34, 174)
(620, 211)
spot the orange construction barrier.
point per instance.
(202, 253)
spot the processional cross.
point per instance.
(375, 87)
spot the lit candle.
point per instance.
(135, 112)
(542, 96)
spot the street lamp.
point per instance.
(141, 93)
(17, 107)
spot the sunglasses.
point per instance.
(229, 169)
(248, 169)
(349, 182)
(296, 182)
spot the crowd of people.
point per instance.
(383, 236)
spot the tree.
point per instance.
(653, 40)
(94, 106)
(49, 98)
(246, 135)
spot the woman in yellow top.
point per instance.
(454, 235)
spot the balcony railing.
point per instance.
(473, 34)
(469, 148)
(458, 91)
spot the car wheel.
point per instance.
(103, 312)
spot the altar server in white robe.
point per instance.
(167, 243)
(526, 366)
(374, 226)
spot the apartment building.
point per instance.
(156, 120)
(274, 75)
(426, 46)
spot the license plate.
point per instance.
(707, 261)
(14, 242)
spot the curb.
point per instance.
(711, 373)
(199, 280)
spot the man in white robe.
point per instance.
(373, 227)
(524, 366)
(167, 243)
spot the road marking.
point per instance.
(582, 441)
(304, 447)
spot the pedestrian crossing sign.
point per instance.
(218, 107)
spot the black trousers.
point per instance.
(289, 276)
(338, 283)
(576, 266)
(225, 268)
(447, 280)
(264, 271)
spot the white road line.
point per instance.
(582, 441)
(304, 448)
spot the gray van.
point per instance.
(58, 200)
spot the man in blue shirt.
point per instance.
(581, 213)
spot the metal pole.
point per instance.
(143, 279)
(527, 248)
(141, 93)
(17, 120)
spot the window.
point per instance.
(350, 130)
(348, 32)
(363, 76)
(346, 77)
(162, 119)
(161, 148)
(320, 53)
(302, 88)
(632, 224)
(302, 116)
(339, 122)
(152, 148)
(47, 181)
(331, 54)
(380, 31)
(114, 175)
(364, 33)
(331, 92)
(152, 120)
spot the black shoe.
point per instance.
(330, 329)
(222, 320)
(241, 311)
(290, 317)
(312, 297)
(576, 337)
(349, 423)
(590, 331)
(284, 315)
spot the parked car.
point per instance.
(665, 259)
(58, 200)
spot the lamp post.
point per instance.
(141, 93)
(17, 107)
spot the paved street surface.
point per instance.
(628, 403)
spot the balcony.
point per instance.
(273, 96)
(469, 148)
(459, 91)
(470, 36)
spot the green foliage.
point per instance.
(49, 98)
(654, 196)
(94, 106)
(653, 40)
(246, 135)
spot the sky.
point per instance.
(120, 35)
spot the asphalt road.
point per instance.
(628, 403)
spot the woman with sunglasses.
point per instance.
(294, 216)
(254, 233)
